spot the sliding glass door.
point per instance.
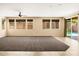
(68, 27)
(72, 27)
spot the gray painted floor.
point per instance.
(32, 44)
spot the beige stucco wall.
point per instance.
(37, 28)
(2, 31)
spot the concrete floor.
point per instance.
(32, 43)
(72, 51)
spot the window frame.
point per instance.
(12, 24)
(3, 23)
(44, 25)
(21, 21)
(56, 23)
(29, 21)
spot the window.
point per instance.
(20, 23)
(29, 23)
(3, 24)
(46, 24)
(55, 24)
(11, 23)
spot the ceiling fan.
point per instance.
(19, 10)
(20, 15)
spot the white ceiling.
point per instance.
(38, 9)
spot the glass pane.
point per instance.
(46, 24)
(55, 24)
(11, 23)
(20, 23)
(3, 24)
(30, 24)
(68, 27)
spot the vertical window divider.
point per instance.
(50, 24)
(8, 24)
(15, 23)
(71, 28)
(26, 24)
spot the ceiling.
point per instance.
(38, 9)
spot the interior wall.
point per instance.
(37, 28)
(2, 31)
